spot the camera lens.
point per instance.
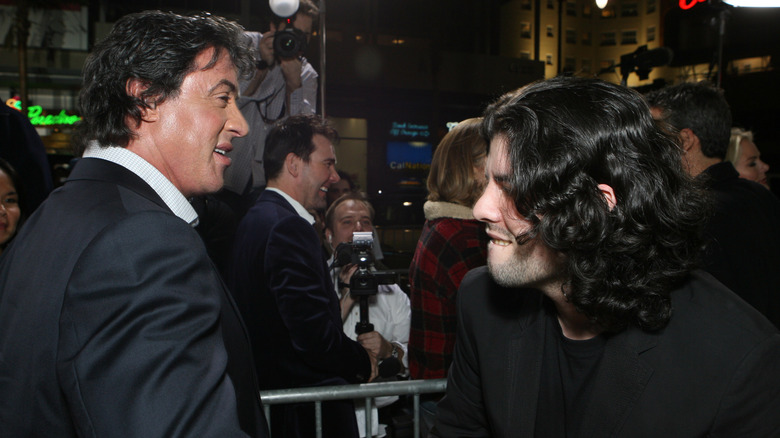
(288, 43)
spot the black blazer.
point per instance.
(744, 250)
(114, 322)
(280, 281)
(713, 371)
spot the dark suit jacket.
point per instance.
(713, 371)
(281, 284)
(112, 321)
(744, 251)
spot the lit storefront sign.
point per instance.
(38, 118)
(687, 4)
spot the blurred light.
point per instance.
(358, 37)
(407, 204)
(601, 4)
(379, 192)
(754, 3)
(284, 8)
(398, 41)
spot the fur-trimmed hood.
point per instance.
(438, 209)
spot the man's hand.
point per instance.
(266, 46)
(376, 344)
(347, 299)
(374, 366)
(291, 70)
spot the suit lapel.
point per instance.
(621, 380)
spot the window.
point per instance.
(608, 11)
(569, 64)
(586, 38)
(571, 36)
(608, 39)
(550, 31)
(525, 55)
(650, 6)
(629, 9)
(628, 37)
(571, 8)
(525, 30)
(651, 33)
(586, 65)
(586, 9)
(549, 59)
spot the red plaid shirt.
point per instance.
(448, 248)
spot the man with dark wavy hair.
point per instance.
(589, 319)
(113, 320)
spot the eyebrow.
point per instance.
(224, 82)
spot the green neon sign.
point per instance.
(38, 118)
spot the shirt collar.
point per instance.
(296, 205)
(172, 197)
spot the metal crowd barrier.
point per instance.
(366, 391)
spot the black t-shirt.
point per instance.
(568, 372)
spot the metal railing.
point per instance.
(365, 391)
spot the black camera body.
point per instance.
(358, 252)
(289, 43)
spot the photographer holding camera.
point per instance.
(381, 322)
(284, 84)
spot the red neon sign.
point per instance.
(687, 4)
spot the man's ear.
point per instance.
(329, 236)
(688, 140)
(293, 164)
(135, 87)
(609, 195)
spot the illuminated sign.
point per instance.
(687, 4)
(38, 118)
(409, 155)
(409, 130)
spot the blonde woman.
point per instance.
(746, 158)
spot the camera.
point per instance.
(288, 43)
(364, 281)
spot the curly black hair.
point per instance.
(158, 48)
(565, 136)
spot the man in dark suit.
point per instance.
(588, 319)
(744, 231)
(280, 281)
(113, 321)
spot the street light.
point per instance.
(601, 4)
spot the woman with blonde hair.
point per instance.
(746, 158)
(452, 242)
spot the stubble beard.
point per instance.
(525, 269)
